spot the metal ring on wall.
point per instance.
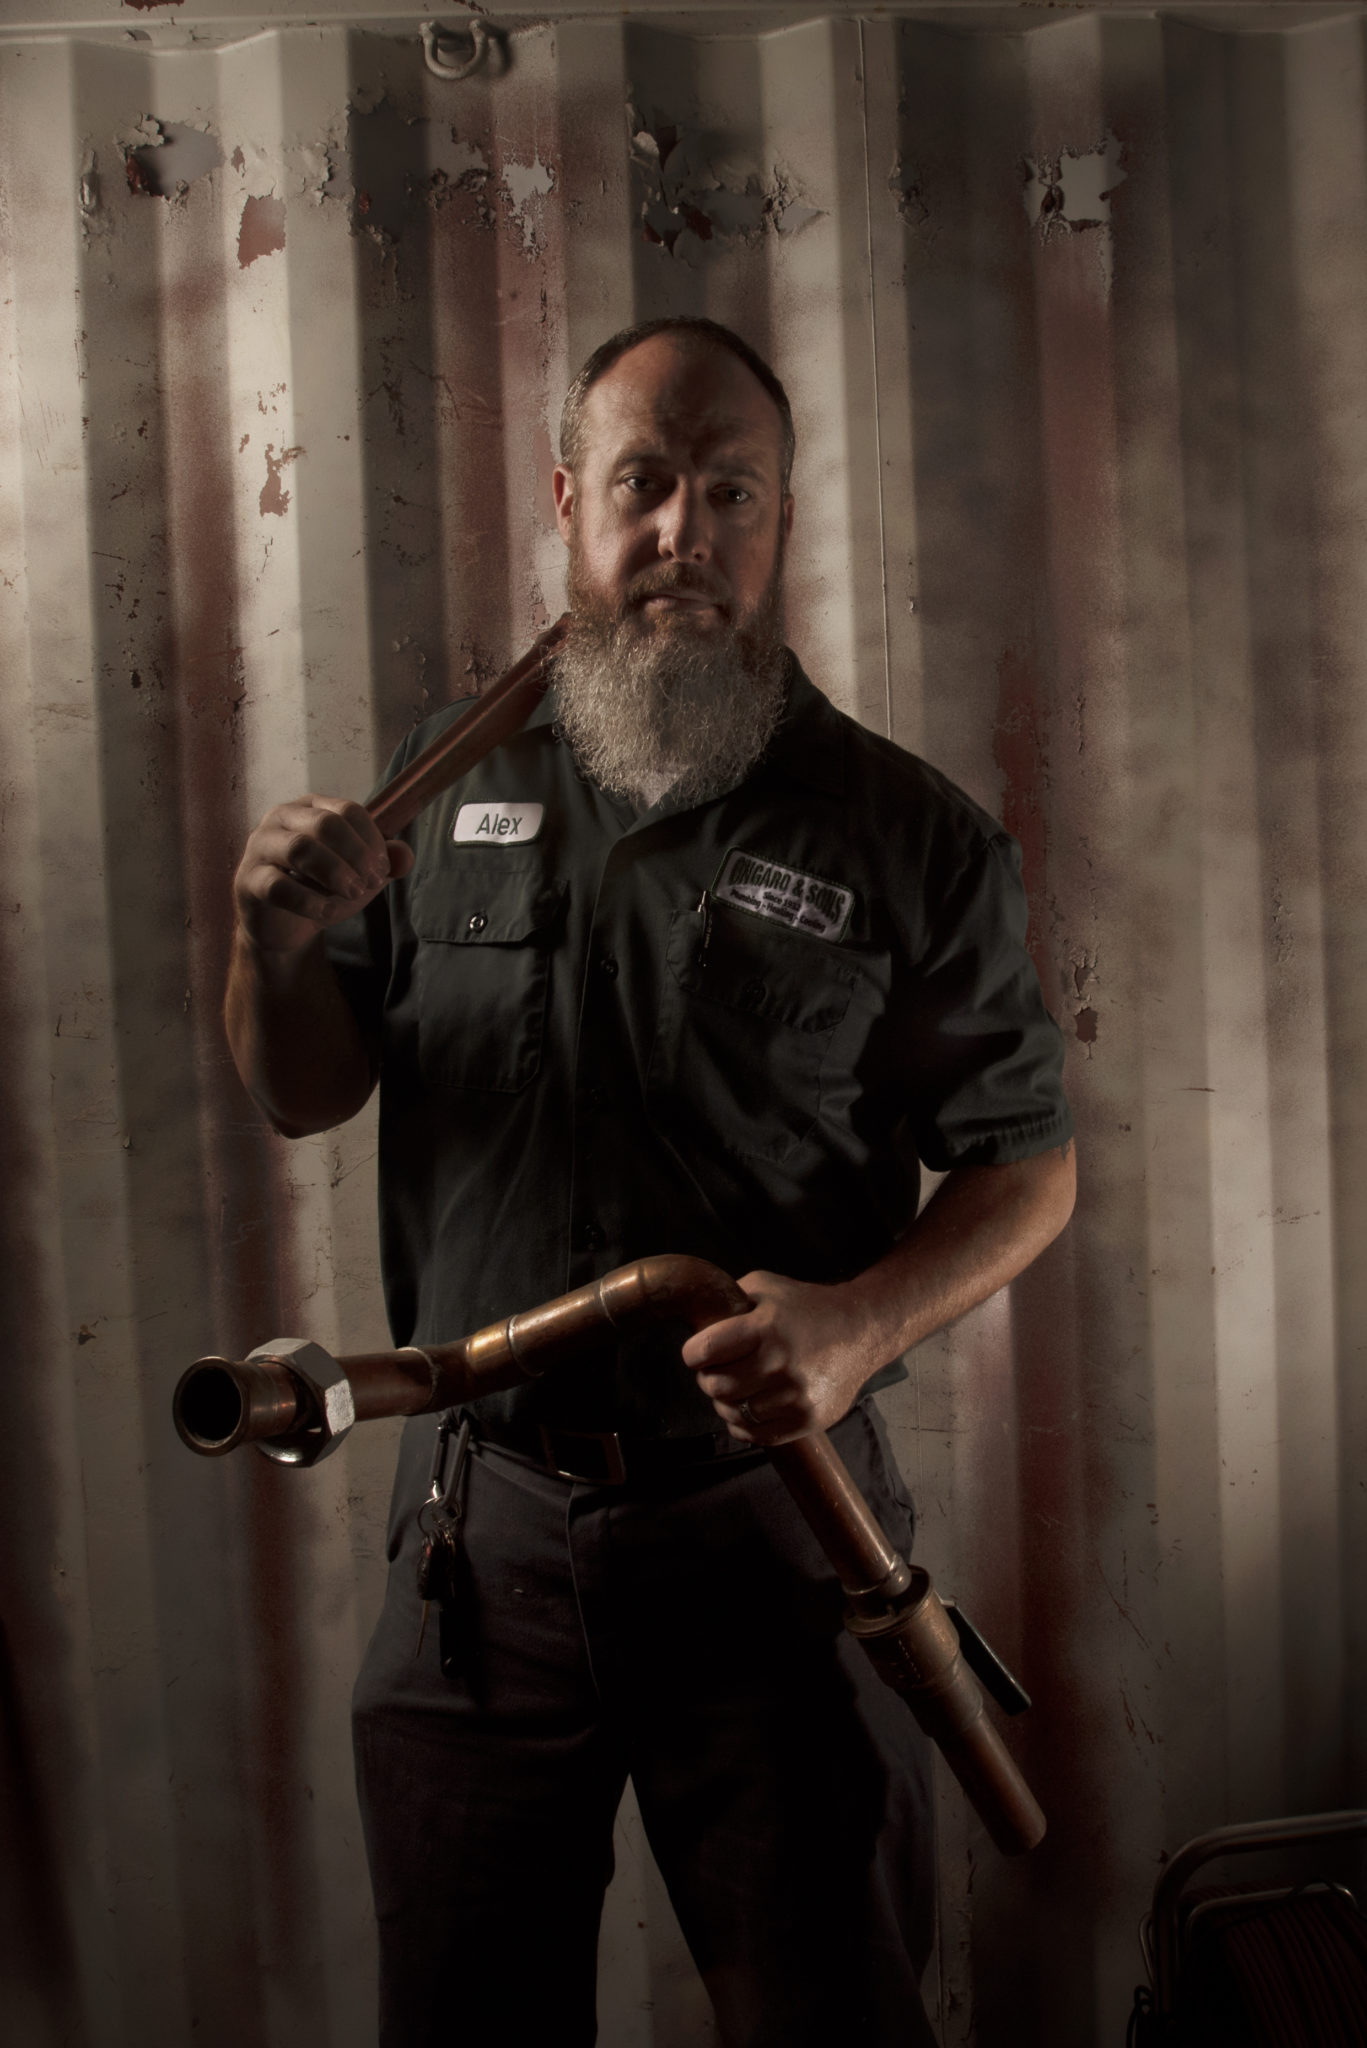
(434, 36)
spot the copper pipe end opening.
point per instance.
(209, 1408)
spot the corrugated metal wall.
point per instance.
(1075, 323)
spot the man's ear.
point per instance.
(562, 489)
(789, 506)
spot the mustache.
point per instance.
(676, 579)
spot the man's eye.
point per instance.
(637, 482)
(735, 494)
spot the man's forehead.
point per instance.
(700, 400)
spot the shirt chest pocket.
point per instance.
(482, 973)
(749, 1034)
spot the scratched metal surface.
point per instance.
(1074, 326)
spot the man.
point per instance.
(691, 964)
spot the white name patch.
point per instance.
(501, 824)
(806, 902)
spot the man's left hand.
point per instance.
(799, 1357)
(796, 1360)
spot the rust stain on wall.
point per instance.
(262, 229)
(274, 497)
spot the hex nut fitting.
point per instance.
(330, 1389)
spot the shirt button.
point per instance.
(752, 994)
(477, 922)
(592, 1238)
(608, 965)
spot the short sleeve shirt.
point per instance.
(733, 1029)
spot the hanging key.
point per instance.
(443, 1568)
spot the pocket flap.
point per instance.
(478, 905)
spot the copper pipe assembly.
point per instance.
(296, 1403)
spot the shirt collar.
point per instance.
(809, 744)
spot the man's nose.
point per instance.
(685, 528)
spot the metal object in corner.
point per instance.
(438, 39)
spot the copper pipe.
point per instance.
(222, 1402)
(893, 1608)
(500, 711)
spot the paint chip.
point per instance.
(262, 229)
(905, 186)
(1084, 1023)
(169, 158)
(1072, 192)
(524, 183)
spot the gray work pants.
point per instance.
(687, 1634)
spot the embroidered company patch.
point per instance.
(505, 824)
(786, 895)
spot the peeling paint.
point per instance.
(393, 196)
(262, 229)
(463, 173)
(274, 497)
(523, 184)
(90, 186)
(456, 172)
(164, 158)
(1082, 973)
(1072, 191)
(692, 199)
(904, 183)
(1071, 194)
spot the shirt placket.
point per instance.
(604, 1084)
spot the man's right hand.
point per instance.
(308, 865)
(294, 1038)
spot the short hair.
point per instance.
(707, 333)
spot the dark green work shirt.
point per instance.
(728, 1029)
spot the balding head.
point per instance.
(693, 335)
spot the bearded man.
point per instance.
(691, 964)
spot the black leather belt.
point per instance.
(604, 1457)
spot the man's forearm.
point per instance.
(294, 1039)
(981, 1227)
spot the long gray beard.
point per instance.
(669, 708)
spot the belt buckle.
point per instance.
(607, 1444)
